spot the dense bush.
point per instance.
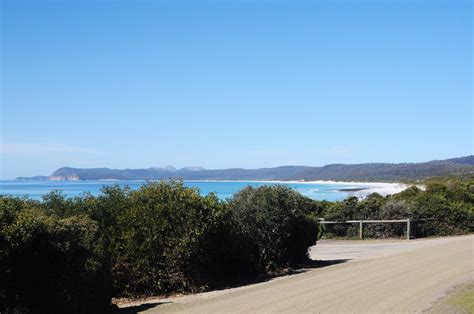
(444, 207)
(51, 264)
(257, 231)
(72, 254)
(161, 227)
(274, 222)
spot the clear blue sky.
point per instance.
(133, 84)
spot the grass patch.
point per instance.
(463, 299)
(460, 300)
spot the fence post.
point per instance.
(408, 229)
(360, 229)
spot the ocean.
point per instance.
(223, 189)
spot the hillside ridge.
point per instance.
(386, 172)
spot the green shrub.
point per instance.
(444, 207)
(50, 264)
(160, 225)
(69, 255)
(161, 238)
(219, 257)
(275, 225)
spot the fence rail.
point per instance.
(362, 222)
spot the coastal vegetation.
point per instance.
(388, 172)
(71, 255)
(77, 253)
(445, 206)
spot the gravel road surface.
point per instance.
(378, 276)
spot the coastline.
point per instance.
(351, 188)
(383, 188)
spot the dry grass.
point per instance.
(459, 300)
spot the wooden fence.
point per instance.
(362, 222)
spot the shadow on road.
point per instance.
(312, 264)
(294, 270)
(138, 308)
(324, 263)
(297, 269)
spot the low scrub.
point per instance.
(274, 222)
(444, 207)
(73, 254)
(52, 264)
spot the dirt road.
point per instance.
(396, 276)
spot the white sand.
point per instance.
(371, 187)
(382, 188)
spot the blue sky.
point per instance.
(133, 84)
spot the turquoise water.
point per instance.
(35, 189)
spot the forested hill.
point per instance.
(389, 172)
(339, 172)
(188, 173)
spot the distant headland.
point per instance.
(367, 172)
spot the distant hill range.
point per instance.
(385, 172)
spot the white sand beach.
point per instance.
(383, 188)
